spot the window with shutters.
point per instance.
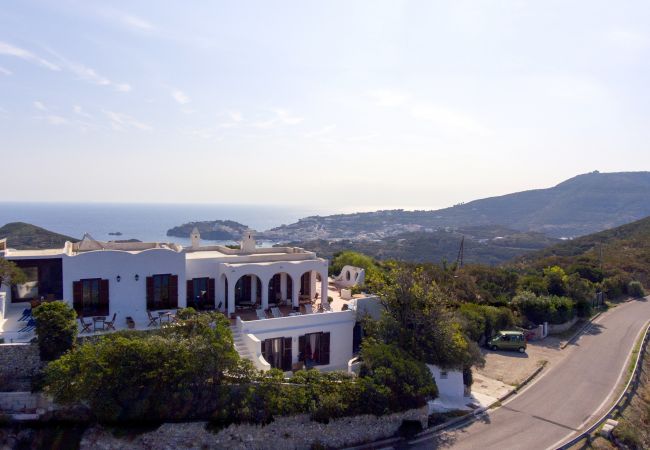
(162, 292)
(314, 349)
(200, 293)
(277, 352)
(91, 297)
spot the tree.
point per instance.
(556, 281)
(56, 329)
(10, 273)
(418, 319)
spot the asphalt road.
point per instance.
(575, 391)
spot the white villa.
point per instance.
(275, 297)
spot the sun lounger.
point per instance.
(275, 311)
(260, 314)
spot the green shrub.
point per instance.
(168, 374)
(551, 308)
(615, 286)
(635, 289)
(56, 329)
(485, 321)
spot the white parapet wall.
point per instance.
(449, 382)
(340, 325)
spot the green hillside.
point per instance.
(22, 236)
(490, 245)
(622, 251)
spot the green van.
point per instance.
(508, 340)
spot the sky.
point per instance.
(336, 104)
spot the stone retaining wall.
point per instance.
(18, 362)
(295, 432)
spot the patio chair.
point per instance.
(153, 321)
(275, 311)
(27, 313)
(85, 326)
(260, 314)
(111, 324)
(29, 327)
(309, 309)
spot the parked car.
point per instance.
(508, 340)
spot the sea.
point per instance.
(146, 222)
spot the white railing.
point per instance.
(3, 305)
(254, 347)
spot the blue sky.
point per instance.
(335, 104)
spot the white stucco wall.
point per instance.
(452, 386)
(128, 297)
(351, 276)
(340, 325)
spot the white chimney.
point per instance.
(248, 242)
(195, 236)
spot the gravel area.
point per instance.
(511, 367)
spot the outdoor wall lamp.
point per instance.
(118, 278)
(137, 277)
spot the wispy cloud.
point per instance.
(236, 116)
(78, 110)
(120, 122)
(387, 97)
(11, 50)
(4, 71)
(180, 97)
(88, 74)
(39, 105)
(282, 117)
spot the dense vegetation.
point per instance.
(22, 235)
(491, 245)
(621, 255)
(552, 285)
(190, 370)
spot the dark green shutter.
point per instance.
(190, 292)
(103, 298)
(173, 291)
(78, 297)
(324, 349)
(301, 347)
(287, 355)
(150, 299)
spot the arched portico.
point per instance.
(278, 281)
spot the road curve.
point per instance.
(570, 394)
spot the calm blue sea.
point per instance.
(146, 222)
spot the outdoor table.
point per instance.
(99, 323)
(165, 314)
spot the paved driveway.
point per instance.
(562, 401)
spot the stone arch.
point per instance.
(248, 292)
